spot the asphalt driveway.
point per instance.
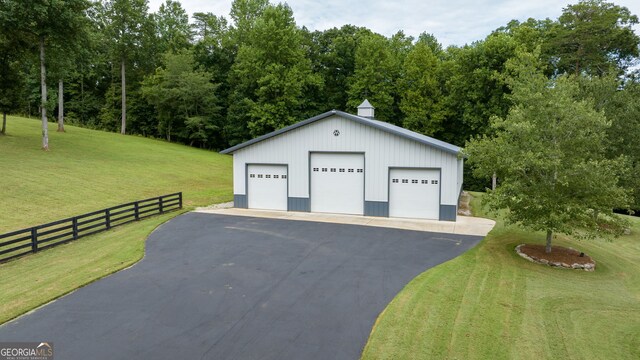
(229, 287)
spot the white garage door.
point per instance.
(267, 187)
(337, 183)
(414, 193)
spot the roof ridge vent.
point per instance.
(366, 110)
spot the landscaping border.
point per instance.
(585, 267)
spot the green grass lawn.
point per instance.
(491, 304)
(36, 279)
(89, 170)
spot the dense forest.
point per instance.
(210, 81)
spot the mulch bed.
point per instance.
(559, 256)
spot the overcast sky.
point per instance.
(453, 22)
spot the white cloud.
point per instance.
(453, 22)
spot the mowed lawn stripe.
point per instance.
(491, 304)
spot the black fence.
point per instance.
(31, 240)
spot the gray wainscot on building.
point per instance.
(342, 163)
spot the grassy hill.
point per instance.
(491, 304)
(88, 170)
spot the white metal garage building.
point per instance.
(341, 163)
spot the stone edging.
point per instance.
(226, 205)
(586, 267)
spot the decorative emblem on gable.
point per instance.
(336, 132)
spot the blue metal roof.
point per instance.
(381, 125)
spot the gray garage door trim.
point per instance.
(416, 168)
(364, 169)
(246, 181)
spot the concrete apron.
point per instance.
(466, 225)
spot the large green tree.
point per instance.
(214, 49)
(475, 88)
(244, 14)
(89, 76)
(271, 74)
(185, 100)
(624, 134)
(593, 37)
(10, 79)
(174, 31)
(332, 53)
(620, 102)
(123, 22)
(41, 23)
(420, 91)
(375, 76)
(549, 152)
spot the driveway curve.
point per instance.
(228, 287)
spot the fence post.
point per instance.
(34, 239)
(75, 221)
(75, 228)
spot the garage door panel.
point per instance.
(414, 193)
(267, 187)
(337, 183)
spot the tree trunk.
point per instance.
(4, 123)
(123, 127)
(43, 98)
(82, 94)
(494, 181)
(60, 106)
(547, 249)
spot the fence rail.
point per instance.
(21, 242)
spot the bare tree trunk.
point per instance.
(60, 106)
(82, 94)
(4, 123)
(43, 98)
(494, 181)
(547, 249)
(123, 127)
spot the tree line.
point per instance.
(212, 81)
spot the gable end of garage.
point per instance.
(380, 125)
